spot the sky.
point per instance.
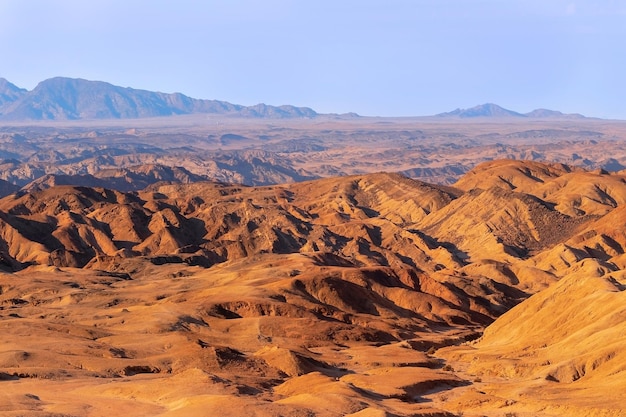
(372, 57)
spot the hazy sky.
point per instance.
(373, 57)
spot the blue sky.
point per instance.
(376, 58)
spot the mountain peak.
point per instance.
(9, 93)
(494, 110)
(5, 85)
(482, 110)
(545, 113)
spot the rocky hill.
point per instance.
(364, 295)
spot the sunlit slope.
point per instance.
(560, 352)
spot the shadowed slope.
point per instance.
(7, 188)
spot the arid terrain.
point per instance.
(261, 151)
(79, 132)
(272, 261)
(367, 295)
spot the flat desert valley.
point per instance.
(337, 265)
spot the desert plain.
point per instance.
(201, 265)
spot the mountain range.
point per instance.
(62, 98)
(493, 110)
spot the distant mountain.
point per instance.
(9, 93)
(483, 110)
(493, 110)
(74, 99)
(544, 113)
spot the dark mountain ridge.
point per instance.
(63, 98)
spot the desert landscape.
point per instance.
(278, 262)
